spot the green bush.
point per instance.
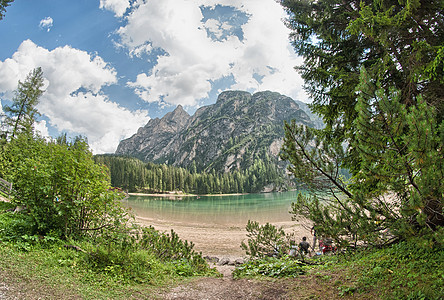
(14, 225)
(60, 186)
(265, 240)
(168, 247)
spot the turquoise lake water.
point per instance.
(233, 210)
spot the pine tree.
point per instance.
(374, 70)
(22, 114)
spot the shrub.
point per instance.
(270, 267)
(168, 247)
(62, 188)
(265, 240)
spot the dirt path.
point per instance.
(228, 289)
(224, 242)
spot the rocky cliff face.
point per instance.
(231, 133)
(152, 141)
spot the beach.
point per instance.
(219, 240)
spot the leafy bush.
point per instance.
(271, 267)
(62, 188)
(13, 226)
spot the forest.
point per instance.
(133, 175)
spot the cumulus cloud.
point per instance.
(46, 23)
(195, 55)
(73, 101)
(41, 128)
(119, 7)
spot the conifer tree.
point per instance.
(3, 5)
(22, 114)
(374, 70)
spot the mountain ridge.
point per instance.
(229, 134)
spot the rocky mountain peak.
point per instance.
(230, 134)
(177, 114)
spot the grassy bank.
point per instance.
(56, 273)
(407, 270)
(34, 267)
(412, 269)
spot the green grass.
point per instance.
(408, 270)
(61, 272)
(70, 274)
(43, 266)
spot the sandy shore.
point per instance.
(219, 240)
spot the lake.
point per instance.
(230, 210)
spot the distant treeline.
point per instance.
(134, 175)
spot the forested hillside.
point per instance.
(133, 175)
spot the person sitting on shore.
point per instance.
(304, 246)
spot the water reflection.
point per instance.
(233, 210)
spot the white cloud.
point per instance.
(183, 74)
(46, 23)
(216, 27)
(119, 7)
(193, 58)
(41, 128)
(73, 101)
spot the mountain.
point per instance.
(230, 134)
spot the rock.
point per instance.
(223, 262)
(211, 259)
(239, 261)
(19, 209)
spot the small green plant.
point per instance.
(346, 290)
(270, 267)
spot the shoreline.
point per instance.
(162, 195)
(183, 195)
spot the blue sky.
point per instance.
(111, 65)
